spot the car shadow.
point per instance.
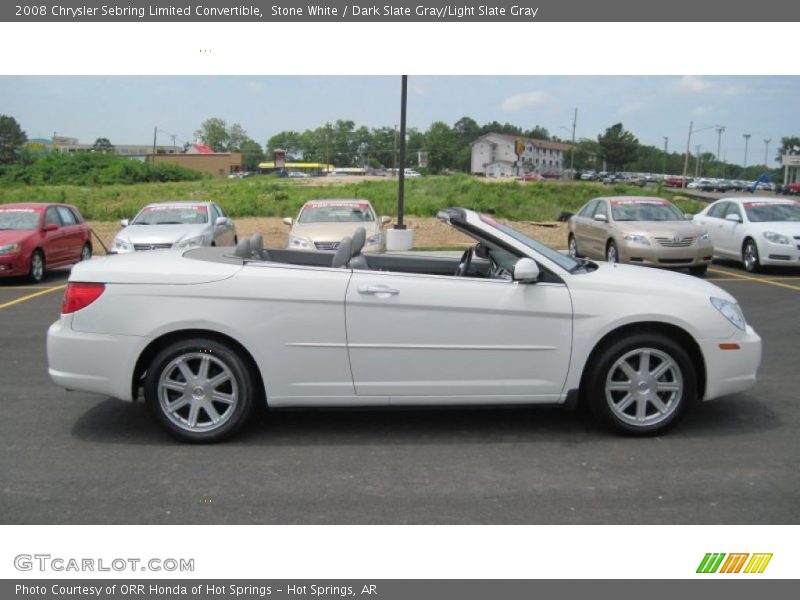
(115, 422)
(769, 271)
(51, 277)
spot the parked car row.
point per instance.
(653, 232)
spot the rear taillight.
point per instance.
(80, 295)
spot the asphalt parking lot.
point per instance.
(77, 458)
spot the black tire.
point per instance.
(698, 270)
(607, 404)
(86, 252)
(612, 254)
(750, 257)
(570, 242)
(239, 385)
(36, 269)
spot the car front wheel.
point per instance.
(612, 255)
(36, 269)
(199, 390)
(641, 385)
(750, 257)
(572, 244)
(86, 252)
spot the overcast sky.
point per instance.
(125, 109)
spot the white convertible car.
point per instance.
(206, 334)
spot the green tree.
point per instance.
(12, 139)
(440, 142)
(587, 155)
(789, 145)
(290, 141)
(214, 134)
(252, 154)
(103, 145)
(538, 133)
(236, 136)
(619, 147)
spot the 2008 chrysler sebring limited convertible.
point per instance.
(210, 332)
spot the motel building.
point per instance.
(495, 155)
(791, 168)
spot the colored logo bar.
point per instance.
(737, 562)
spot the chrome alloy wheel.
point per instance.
(644, 387)
(573, 247)
(37, 266)
(197, 392)
(750, 258)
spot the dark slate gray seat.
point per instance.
(343, 253)
(358, 260)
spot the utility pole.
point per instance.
(747, 137)
(720, 129)
(686, 158)
(572, 151)
(327, 148)
(394, 153)
(402, 174)
(697, 170)
(766, 152)
(155, 133)
(666, 144)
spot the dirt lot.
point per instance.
(429, 233)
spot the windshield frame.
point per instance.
(155, 208)
(747, 206)
(657, 202)
(27, 211)
(309, 207)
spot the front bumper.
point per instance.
(733, 370)
(92, 362)
(660, 256)
(14, 265)
(777, 255)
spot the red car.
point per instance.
(36, 236)
(673, 181)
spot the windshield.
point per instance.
(562, 260)
(23, 219)
(337, 213)
(173, 214)
(759, 212)
(644, 210)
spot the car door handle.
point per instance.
(377, 290)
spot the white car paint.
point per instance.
(729, 235)
(324, 336)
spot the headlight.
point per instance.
(121, 245)
(375, 239)
(704, 237)
(730, 310)
(776, 238)
(635, 238)
(298, 242)
(10, 249)
(192, 242)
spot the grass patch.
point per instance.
(266, 196)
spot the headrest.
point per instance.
(359, 239)
(256, 244)
(343, 253)
(243, 249)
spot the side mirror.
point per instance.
(601, 217)
(526, 271)
(221, 221)
(124, 222)
(51, 227)
(733, 217)
(688, 216)
(287, 221)
(386, 220)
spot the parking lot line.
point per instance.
(36, 295)
(749, 278)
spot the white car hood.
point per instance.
(645, 281)
(160, 234)
(165, 267)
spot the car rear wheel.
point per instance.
(572, 244)
(86, 252)
(612, 255)
(36, 270)
(199, 390)
(750, 257)
(641, 385)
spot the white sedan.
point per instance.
(205, 335)
(755, 231)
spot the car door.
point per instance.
(730, 232)
(582, 223)
(713, 221)
(53, 241)
(72, 234)
(598, 231)
(223, 234)
(438, 339)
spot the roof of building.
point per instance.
(534, 142)
(200, 149)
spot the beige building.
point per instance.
(495, 155)
(217, 164)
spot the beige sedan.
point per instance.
(321, 224)
(639, 230)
